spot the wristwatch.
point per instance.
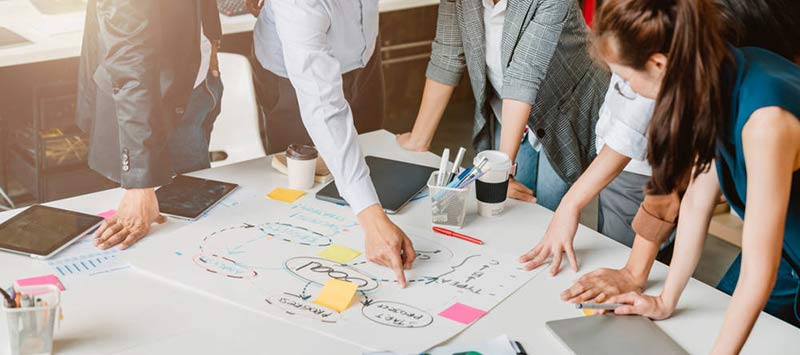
(513, 171)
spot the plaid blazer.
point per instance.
(545, 63)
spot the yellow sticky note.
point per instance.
(336, 295)
(339, 253)
(285, 195)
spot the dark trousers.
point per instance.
(280, 113)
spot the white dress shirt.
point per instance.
(319, 40)
(494, 16)
(623, 122)
(205, 58)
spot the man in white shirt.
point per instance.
(316, 45)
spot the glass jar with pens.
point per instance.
(30, 316)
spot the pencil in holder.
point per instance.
(448, 205)
(30, 328)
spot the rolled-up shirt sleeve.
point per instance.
(624, 118)
(657, 216)
(316, 76)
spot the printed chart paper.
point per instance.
(263, 255)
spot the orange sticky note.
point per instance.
(336, 295)
(285, 195)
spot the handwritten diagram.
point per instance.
(264, 256)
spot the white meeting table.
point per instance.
(126, 312)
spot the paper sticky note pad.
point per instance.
(285, 195)
(107, 214)
(41, 280)
(336, 295)
(339, 253)
(462, 313)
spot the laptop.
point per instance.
(610, 334)
(395, 182)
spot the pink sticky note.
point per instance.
(41, 280)
(108, 214)
(462, 313)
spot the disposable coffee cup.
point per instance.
(491, 189)
(301, 161)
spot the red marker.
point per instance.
(450, 233)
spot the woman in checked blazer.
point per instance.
(532, 75)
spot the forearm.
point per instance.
(748, 300)
(435, 97)
(640, 261)
(697, 208)
(515, 117)
(605, 167)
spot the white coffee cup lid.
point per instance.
(496, 160)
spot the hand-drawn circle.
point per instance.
(395, 314)
(319, 270)
(294, 305)
(223, 266)
(295, 234)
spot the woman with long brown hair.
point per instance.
(726, 120)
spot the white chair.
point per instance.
(236, 131)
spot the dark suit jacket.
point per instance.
(545, 63)
(138, 66)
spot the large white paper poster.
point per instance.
(263, 255)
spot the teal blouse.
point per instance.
(762, 79)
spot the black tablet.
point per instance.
(395, 182)
(42, 231)
(190, 197)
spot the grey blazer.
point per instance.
(546, 64)
(139, 61)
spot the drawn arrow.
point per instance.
(367, 301)
(235, 251)
(306, 296)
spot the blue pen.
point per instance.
(458, 180)
(471, 180)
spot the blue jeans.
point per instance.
(782, 302)
(191, 136)
(535, 172)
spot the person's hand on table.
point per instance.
(653, 307)
(136, 213)
(518, 191)
(386, 244)
(254, 6)
(409, 142)
(557, 240)
(599, 285)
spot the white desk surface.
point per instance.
(126, 312)
(60, 36)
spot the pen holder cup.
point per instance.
(30, 329)
(448, 205)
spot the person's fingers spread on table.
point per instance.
(530, 254)
(114, 239)
(518, 191)
(107, 223)
(131, 239)
(111, 230)
(573, 261)
(539, 259)
(556, 264)
(574, 291)
(409, 254)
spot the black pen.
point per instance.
(10, 303)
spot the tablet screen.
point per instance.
(189, 197)
(41, 230)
